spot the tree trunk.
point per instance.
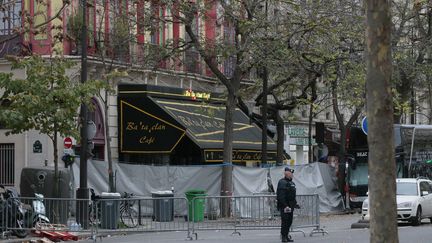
(226, 185)
(310, 152)
(430, 100)
(342, 170)
(108, 145)
(56, 171)
(280, 128)
(264, 118)
(55, 207)
(382, 166)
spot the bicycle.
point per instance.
(94, 208)
(128, 215)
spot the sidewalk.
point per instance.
(330, 222)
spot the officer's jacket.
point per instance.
(286, 193)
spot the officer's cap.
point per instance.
(289, 169)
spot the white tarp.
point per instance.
(249, 181)
(315, 178)
(142, 180)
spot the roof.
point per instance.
(412, 180)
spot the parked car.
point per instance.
(413, 198)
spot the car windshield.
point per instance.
(406, 188)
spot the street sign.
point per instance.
(37, 147)
(68, 142)
(364, 125)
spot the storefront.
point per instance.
(160, 125)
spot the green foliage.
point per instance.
(46, 100)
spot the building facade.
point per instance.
(116, 44)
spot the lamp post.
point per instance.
(83, 191)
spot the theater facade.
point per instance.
(164, 125)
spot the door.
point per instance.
(426, 199)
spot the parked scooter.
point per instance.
(37, 213)
(12, 212)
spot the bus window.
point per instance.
(359, 175)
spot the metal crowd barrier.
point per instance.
(158, 214)
(256, 212)
(101, 216)
(24, 214)
(143, 214)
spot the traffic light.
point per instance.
(68, 160)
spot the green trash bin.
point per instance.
(197, 205)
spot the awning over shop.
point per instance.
(151, 124)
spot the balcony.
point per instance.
(10, 21)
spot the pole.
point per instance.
(411, 152)
(413, 111)
(83, 191)
(264, 110)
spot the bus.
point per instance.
(413, 158)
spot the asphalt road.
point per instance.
(338, 228)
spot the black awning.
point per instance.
(145, 128)
(205, 124)
(156, 125)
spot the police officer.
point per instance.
(286, 202)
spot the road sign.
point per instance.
(364, 125)
(68, 142)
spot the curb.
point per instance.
(344, 212)
(361, 224)
(81, 236)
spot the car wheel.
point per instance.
(417, 220)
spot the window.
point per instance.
(424, 187)
(406, 188)
(304, 113)
(40, 10)
(95, 115)
(359, 175)
(7, 164)
(10, 17)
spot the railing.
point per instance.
(256, 212)
(158, 214)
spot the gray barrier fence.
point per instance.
(156, 214)
(256, 212)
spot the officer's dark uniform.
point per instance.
(286, 197)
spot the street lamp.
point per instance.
(83, 191)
